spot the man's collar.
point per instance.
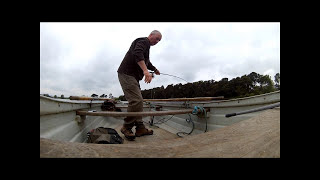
(148, 41)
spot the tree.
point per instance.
(122, 98)
(254, 78)
(277, 81)
(266, 84)
(246, 85)
(169, 91)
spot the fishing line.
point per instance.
(169, 75)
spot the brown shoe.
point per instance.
(128, 133)
(141, 130)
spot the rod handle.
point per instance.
(231, 114)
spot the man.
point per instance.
(133, 67)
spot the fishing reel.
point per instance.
(152, 73)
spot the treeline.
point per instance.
(246, 85)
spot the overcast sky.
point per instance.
(82, 58)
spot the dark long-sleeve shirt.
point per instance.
(139, 50)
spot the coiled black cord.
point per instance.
(188, 121)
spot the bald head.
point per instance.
(154, 37)
(155, 32)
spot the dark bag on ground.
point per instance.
(104, 135)
(109, 106)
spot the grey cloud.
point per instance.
(187, 50)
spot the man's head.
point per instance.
(154, 37)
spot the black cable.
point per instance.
(160, 120)
(205, 116)
(163, 121)
(191, 129)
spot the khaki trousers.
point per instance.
(132, 92)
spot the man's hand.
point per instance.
(147, 77)
(157, 72)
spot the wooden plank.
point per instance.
(87, 98)
(170, 99)
(144, 113)
(124, 107)
(188, 99)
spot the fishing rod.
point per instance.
(271, 106)
(169, 75)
